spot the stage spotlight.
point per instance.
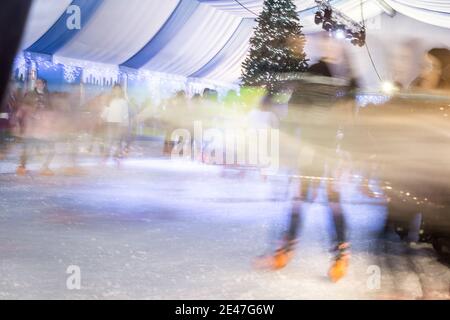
(339, 31)
(363, 35)
(348, 35)
(318, 18)
(339, 34)
(361, 40)
(329, 25)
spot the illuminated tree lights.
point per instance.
(277, 46)
(28, 66)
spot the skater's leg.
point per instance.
(339, 223)
(292, 231)
(21, 169)
(117, 142)
(50, 149)
(333, 188)
(337, 215)
(3, 143)
(120, 140)
(109, 141)
(24, 154)
(101, 138)
(341, 246)
(297, 197)
(73, 146)
(50, 146)
(285, 251)
(73, 151)
(130, 137)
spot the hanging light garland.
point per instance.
(159, 85)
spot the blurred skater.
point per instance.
(97, 129)
(7, 118)
(116, 118)
(317, 113)
(36, 119)
(173, 119)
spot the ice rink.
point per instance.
(162, 229)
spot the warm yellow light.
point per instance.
(388, 87)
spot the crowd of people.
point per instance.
(37, 120)
(106, 125)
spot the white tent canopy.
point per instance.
(192, 38)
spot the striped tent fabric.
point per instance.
(205, 39)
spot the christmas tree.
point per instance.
(277, 46)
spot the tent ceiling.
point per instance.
(201, 38)
(43, 15)
(122, 28)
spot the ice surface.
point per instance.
(159, 229)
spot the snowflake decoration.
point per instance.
(70, 73)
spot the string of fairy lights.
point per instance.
(28, 66)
